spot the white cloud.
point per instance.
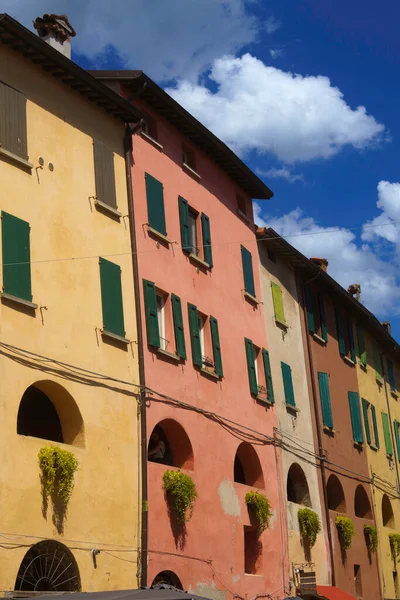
(259, 107)
(387, 224)
(283, 173)
(272, 25)
(275, 53)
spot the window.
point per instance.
(155, 205)
(375, 426)
(204, 337)
(195, 232)
(248, 276)
(378, 365)
(247, 467)
(362, 505)
(297, 486)
(386, 435)
(387, 512)
(323, 382)
(104, 174)
(111, 298)
(278, 304)
(362, 352)
(189, 158)
(16, 257)
(149, 127)
(288, 385)
(345, 335)
(164, 320)
(366, 410)
(241, 204)
(357, 581)
(167, 578)
(252, 551)
(259, 372)
(169, 444)
(13, 132)
(335, 493)
(315, 313)
(355, 415)
(391, 378)
(396, 426)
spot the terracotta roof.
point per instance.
(59, 24)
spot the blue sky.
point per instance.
(282, 82)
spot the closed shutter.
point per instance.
(278, 302)
(288, 384)
(13, 132)
(355, 415)
(323, 381)
(366, 420)
(178, 326)
(248, 276)
(207, 248)
(324, 330)
(195, 335)
(216, 346)
(150, 309)
(351, 340)
(375, 427)
(16, 257)
(397, 436)
(378, 366)
(104, 174)
(391, 375)
(309, 308)
(251, 368)
(111, 297)
(268, 376)
(362, 353)
(184, 221)
(155, 204)
(386, 434)
(340, 333)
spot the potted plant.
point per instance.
(259, 506)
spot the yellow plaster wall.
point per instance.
(104, 507)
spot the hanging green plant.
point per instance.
(346, 531)
(261, 507)
(310, 525)
(58, 468)
(182, 490)
(371, 537)
(394, 540)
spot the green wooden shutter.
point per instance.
(216, 346)
(251, 368)
(355, 414)
(207, 248)
(323, 381)
(324, 330)
(268, 375)
(351, 340)
(184, 220)
(391, 375)
(195, 335)
(378, 366)
(386, 434)
(16, 256)
(366, 420)
(155, 204)
(397, 436)
(340, 333)
(362, 353)
(111, 297)
(288, 384)
(375, 426)
(150, 308)
(178, 326)
(309, 308)
(278, 302)
(248, 276)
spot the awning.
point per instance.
(333, 593)
(162, 592)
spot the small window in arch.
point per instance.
(297, 486)
(169, 444)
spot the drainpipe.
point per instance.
(142, 406)
(319, 438)
(390, 422)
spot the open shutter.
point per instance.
(378, 366)
(248, 276)
(216, 346)
(111, 297)
(323, 381)
(278, 302)
(268, 375)
(288, 384)
(391, 375)
(340, 333)
(366, 420)
(375, 426)
(351, 339)
(324, 331)
(16, 256)
(207, 248)
(155, 204)
(13, 131)
(251, 368)
(195, 335)
(397, 436)
(104, 174)
(362, 353)
(355, 413)
(150, 307)
(178, 326)
(309, 308)
(184, 220)
(386, 434)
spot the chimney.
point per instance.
(322, 263)
(355, 290)
(386, 325)
(57, 31)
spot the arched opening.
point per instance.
(297, 486)
(49, 412)
(167, 578)
(247, 467)
(169, 444)
(48, 567)
(362, 505)
(387, 512)
(335, 493)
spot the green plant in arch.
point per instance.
(182, 490)
(346, 531)
(261, 507)
(394, 540)
(310, 525)
(58, 468)
(371, 537)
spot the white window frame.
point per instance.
(194, 246)
(161, 320)
(202, 324)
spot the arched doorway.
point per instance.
(362, 506)
(247, 467)
(167, 578)
(335, 493)
(297, 486)
(387, 512)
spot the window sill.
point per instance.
(169, 355)
(394, 394)
(16, 159)
(152, 141)
(379, 381)
(319, 339)
(243, 215)
(373, 447)
(363, 367)
(199, 261)
(115, 337)
(250, 297)
(349, 361)
(281, 324)
(358, 445)
(160, 236)
(292, 408)
(264, 400)
(208, 373)
(191, 171)
(16, 300)
(108, 209)
(328, 430)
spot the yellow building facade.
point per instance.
(68, 352)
